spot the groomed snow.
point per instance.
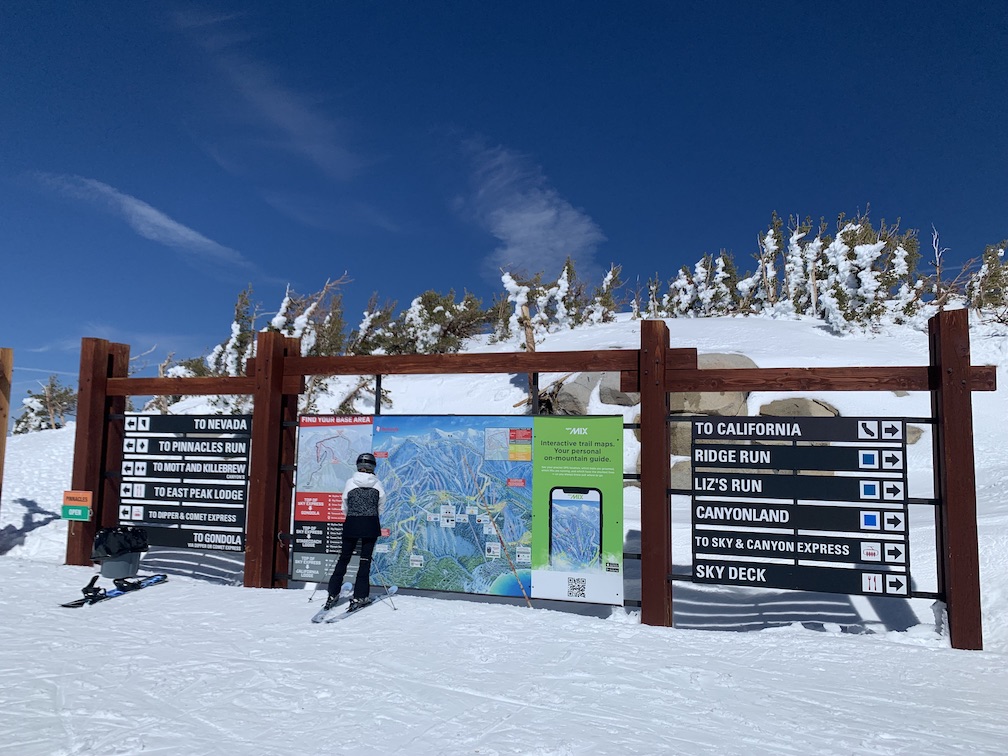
(198, 667)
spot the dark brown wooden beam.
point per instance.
(656, 507)
(955, 477)
(181, 386)
(981, 378)
(682, 357)
(267, 426)
(497, 362)
(89, 445)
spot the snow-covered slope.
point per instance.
(193, 667)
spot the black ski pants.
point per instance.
(362, 585)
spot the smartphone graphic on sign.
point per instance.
(575, 527)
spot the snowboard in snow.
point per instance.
(346, 590)
(336, 616)
(94, 596)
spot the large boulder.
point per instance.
(799, 407)
(573, 395)
(728, 403)
(610, 393)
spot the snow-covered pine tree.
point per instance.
(603, 305)
(532, 308)
(722, 285)
(682, 295)
(373, 330)
(436, 324)
(46, 409)
(864, 269)
(987, 289)
(317, 320)
(655, 305)
(759, 292)
(515, 319)
(230, 357)
(799, 267)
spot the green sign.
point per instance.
(76, 513)
(577, 508)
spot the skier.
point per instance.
(363, 496)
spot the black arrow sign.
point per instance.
(894, 553)
(896, 582)
(893, 521)
(891, 430)
(892, 490)
(892, 459)
(866, 427)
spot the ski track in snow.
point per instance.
(237, 671)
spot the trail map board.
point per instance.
(807, 503)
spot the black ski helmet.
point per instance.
(366, 462)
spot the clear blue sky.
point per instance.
(155, 158)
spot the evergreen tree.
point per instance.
(682, 295)
(864, 269)
(655, 307)
(988, 287)
(713, 282)
(603, 305)
(759, 291)
(230, 357)
(47, 409)
(374, 328)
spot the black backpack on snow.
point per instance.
(110, 543)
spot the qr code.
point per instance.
(575, 587)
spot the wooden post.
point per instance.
(955, 477)
(288, 460)
(89, 445)
(656, 477)
(6, 378)
(267, 423)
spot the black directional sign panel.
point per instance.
(185, 479)
(791, 457)
(805, 503)
(766, 428)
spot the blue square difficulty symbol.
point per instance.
(869, 520)
(868, 459)
(870, 490)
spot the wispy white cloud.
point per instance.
(330, 214)
(145, 220)
(290, 121)
(304, 130)
(537, 228)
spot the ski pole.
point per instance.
(382, 581)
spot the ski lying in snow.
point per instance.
(346, 590)
(93, 595)
(337, 616)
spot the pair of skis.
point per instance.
(339, 612)
(94, 595)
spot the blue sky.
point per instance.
(156, 158)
